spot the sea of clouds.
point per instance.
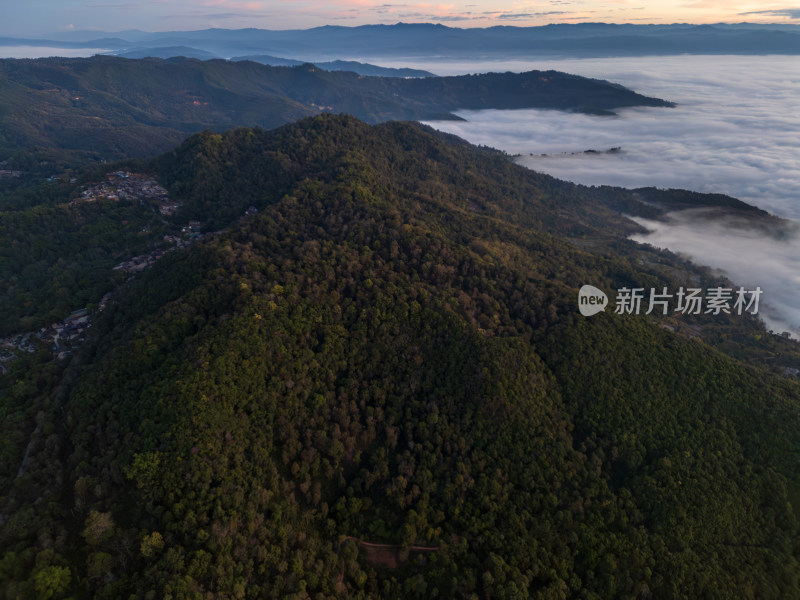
(749, 257)
(736, 130)
(46, 51)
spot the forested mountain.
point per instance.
(113, 108)
(338, 65)
(379, 386)
(275, 61)
(168, 52)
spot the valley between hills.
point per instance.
(344, 356)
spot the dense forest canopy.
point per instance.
(369, 379)
(110, 108)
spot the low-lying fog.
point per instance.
(736, 130)
(45, 52)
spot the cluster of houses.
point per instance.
(169, 208)
(5, 171)
(139, 263)
(11, 346)
(70, 333)
(130, 186)
(62, 338)
(192, 229)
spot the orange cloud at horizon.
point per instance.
(165, 15)
(481, 13)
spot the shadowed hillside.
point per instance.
(389, 353)
(111, 108)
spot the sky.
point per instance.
(40, 17)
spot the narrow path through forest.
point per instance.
(386, 555)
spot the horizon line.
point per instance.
(398, 23)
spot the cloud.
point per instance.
(227, 15)
(434, 17)
(114, 6)
(744, 253)
(234, 5)
(533, 15)
(736, 130)
(215, 16)
(388, 8)
(791, 13)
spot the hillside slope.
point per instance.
(390, 352)
(111, 108)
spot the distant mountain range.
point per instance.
(110, 108)
(425, 39)
(275, 61)
(166, 52)
(338, 359)
(338, 65)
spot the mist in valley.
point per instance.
(736, 131)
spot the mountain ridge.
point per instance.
(390, 350)
(502, 41)
(111, 108)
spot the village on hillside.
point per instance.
(129, 186)
(63, 338)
